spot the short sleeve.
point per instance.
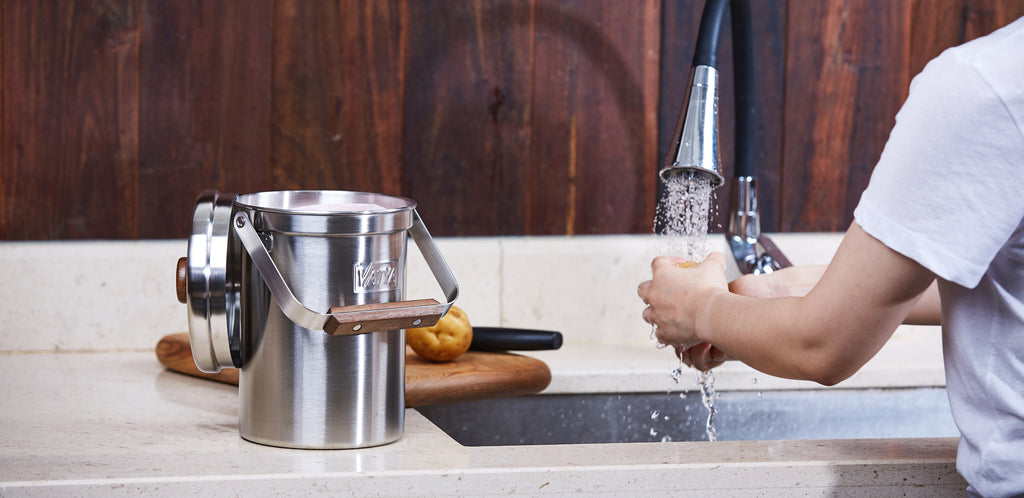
(948, 190)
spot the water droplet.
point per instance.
(676, 374)
(666, 439)
(655, 414)
(754, 380)
(653, 432)
(760, 394)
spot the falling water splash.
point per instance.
(707, 396)
(683, 215)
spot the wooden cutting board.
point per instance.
(473, 376)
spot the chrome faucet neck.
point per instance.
(695, 143)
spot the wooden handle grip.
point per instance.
(383, 316)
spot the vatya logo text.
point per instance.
(375, 276)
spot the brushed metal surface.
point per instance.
(300, 387)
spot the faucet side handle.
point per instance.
(754, 252)
(770, 258)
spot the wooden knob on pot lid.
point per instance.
(182, 280)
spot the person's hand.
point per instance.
(793, 281)
(676, 296)
(702, 356)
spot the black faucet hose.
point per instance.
(745, 87)
(706, 51)
(706, 54)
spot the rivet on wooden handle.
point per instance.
(182, 280)
(383, 316)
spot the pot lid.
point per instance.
(213, 284)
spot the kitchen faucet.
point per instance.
(694, 147)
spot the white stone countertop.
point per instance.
(117, 423)
(86, 409)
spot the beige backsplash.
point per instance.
(119, 295)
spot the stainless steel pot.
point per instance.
(258, 267)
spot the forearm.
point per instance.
(825, 336)
(790, 337)
(797, 281)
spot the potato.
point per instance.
(445, 341)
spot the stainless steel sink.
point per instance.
(645, 417)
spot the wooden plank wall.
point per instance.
(500, 117)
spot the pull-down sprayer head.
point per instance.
(695, 143)
(694, 146)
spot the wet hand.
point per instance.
(702, 356)
(676, 298)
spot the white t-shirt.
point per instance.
(948, 192)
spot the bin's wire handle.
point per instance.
(356, 319)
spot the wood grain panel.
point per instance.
(337, 95)
(681, 19)
(467, 114)
(69, 163)
(982, 17)
(551, 168)
(205, 110)
(595, 108)
(940, 24)
(500, 117)
(846, 70)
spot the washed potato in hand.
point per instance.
(445, 341)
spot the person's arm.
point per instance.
(928, 310)
(825, 336)
(799, 280)
(795, 281)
